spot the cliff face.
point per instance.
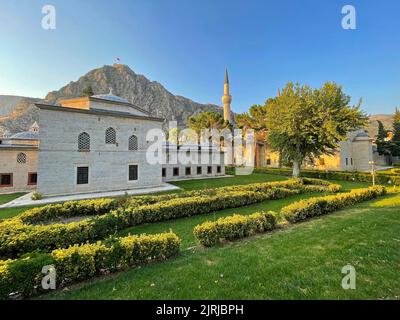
(386, 119)
(148, 95)
(20, 116)
(18, 113)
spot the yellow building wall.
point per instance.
(20, 171)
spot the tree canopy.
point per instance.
(254, 119)
(381, 139)
(207, 120)
(305, 123)
(395, 143)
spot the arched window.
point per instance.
(84, 142)
(21, 158)
(133, 143)
(111, 136)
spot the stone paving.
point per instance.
(26, 200)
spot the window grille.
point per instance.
(21, 158)
(111, 136)
(133, 143)
(84, 142)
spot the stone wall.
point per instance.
(20, 171)
(108, 164)
(193, 159)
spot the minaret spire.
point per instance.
(226, 98)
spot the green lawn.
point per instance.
(4, 198)
(303, 261)
(10, 212)
(196, 184)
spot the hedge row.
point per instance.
(81, 262)
(53, 212)
(68, 209)
(151, 199)
(309, 208)
(234, 227)
(381, 177)
(17, 238)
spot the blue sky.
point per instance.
(186, 44)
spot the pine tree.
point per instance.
(396, 134)
(381, 144)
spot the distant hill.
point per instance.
(18, 113)
(7, 104)
(124, 82)
(386, 119)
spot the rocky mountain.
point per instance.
(19, 113)
(386, 119)
(125, 83)
(7, 104)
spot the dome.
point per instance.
(110, 97)
(362, 135)
(26, 135)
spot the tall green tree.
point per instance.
(381, 142)
(395, 143)
(88, 91)
(305, 123)
(254, 119)
(207, 120)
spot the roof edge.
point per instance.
(96, 112)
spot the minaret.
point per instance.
(227, 98)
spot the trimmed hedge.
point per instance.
(381, 177)
(234, 227)
(68, 209)
(309, 208)
(17, 238)
(151, 199)
(81, 262)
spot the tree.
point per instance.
(254, 119)
(381, 143)
(207, 120)
(395, 143)
(304, 123)
(88, 91)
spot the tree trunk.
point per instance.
(296, 169)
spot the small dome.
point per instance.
(362, 135)
(110, 97)
(26, 135)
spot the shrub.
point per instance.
(68, 209)
(23, 276)
(81, 262)
(234, 227)
(17, 238)
(309, 208)
(381, 177)
(36, 196)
